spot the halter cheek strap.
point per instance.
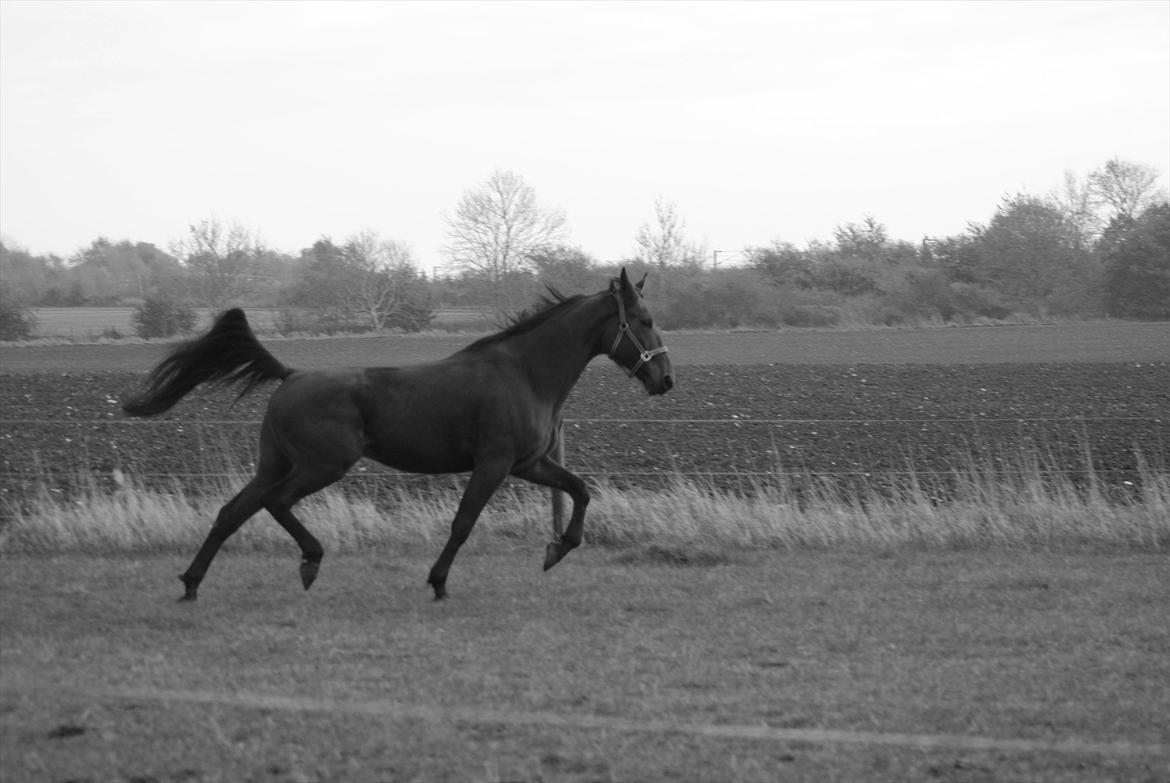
(624, 331)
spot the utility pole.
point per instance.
(715, 257)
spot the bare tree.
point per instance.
(665, 243)
(384, 277)
(1125, 187)
(220, 260)
(1082, 207)
(497, 225)
(662, 244)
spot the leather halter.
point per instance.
(624, 331)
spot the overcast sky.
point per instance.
(759, 120)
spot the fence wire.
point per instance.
(945, 420)
(381, 473)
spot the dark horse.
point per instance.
(493, 408)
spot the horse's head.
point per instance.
(635, 344)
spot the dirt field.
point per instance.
(1093, 342)
(807, 666)
(746, 407)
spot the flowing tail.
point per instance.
(228, 355)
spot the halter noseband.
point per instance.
(624, 331)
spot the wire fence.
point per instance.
(775, 468)
(733, 420)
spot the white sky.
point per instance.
(760, 120)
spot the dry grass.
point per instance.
(1023, 506)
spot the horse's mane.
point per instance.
(549, 305)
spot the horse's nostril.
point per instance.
(668, 382)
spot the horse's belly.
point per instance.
(421, 456)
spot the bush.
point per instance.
(161, 316)
(1137, 267)
(727, 299)
(327, 321)
(16, 321)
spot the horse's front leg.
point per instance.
(484, 481)
(551, 474)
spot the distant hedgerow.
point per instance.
(163, 317)
(16, 321)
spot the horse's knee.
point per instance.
(460, 531)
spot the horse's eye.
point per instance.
(647, 322)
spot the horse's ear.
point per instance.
(621, 285)
(641, 282)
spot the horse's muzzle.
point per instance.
(660, 385)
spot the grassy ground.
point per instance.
(531, 676)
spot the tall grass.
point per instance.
(1022, 504)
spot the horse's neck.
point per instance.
(557, 352)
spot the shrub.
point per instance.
(160, 316)
(1137, 266)
(16, 321)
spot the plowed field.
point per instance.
(735, 418)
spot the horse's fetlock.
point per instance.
(190, 587)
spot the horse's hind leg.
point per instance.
(557, 454)
(297, 486)
(278, 498)
(234, 513)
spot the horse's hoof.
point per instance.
(552, 554)
(309, 570)
(190, 588)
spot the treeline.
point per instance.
(1100, 248)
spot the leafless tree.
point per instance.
(665, 243)
(497, 225)
(1125, 187)
(382, 270)
(662, 244)
(220, 260)
(1082, 206)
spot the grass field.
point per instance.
(1019, 634)
(800, 666)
